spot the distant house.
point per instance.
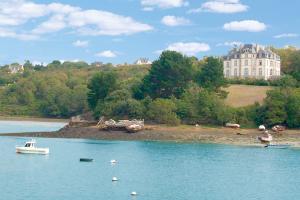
(251, 61)
(97, 64)
(143, 61)
(16, 68)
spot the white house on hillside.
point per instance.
(16, 68)
(143, 61)
(251, 61)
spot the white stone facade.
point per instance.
(253, 62)
(143, 61)
(16, 68)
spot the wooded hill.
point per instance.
(175, 89)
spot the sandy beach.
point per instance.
(176, 134)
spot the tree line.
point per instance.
(175, 89)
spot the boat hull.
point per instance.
(30, 150)
(86, 159)
(278, 146)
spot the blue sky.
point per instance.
(121, 31)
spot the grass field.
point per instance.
(244, 95)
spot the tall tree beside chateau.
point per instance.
(290, 59)
(211, 75)
(168, 76)
(100, 86)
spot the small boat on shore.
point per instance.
(30, 148)
(267, 138)
(86, 159)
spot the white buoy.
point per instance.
(133, 194)
(114, 179)
(113, 161)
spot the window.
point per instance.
(246, 62)
(260, 62)
(246, 72)
(227, 73)
(235, 63)
(271, 72)
(235, 72)
(260, 72)
(227, 64)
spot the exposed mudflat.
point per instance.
(176, 134)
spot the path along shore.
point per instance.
(176, 134)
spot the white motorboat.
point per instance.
(30, 148)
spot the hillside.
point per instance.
(244, 95)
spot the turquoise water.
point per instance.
(156, 171)
(28, 126)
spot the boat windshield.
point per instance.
(29, 144)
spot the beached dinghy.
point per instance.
(30, 148)
(267, 138)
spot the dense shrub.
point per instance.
(163, 111)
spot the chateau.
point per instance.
(251, 61)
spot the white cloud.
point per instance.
(230, 44)
(96, 22)
(174, 21)
(286, 35)
(8, 33)
(80, 43)
(16, 13)
(107, 54)
(148, 9)
(54, 24)
(246, 25)
(189, 48)
(150, 4)
(221, 6)
(20, 11)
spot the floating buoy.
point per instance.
(113, 161)
(114, 179)
(133, 194)
(86, 159)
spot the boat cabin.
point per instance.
(30, 143)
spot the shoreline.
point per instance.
(34, 119)
(190, 134)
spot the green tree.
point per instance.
(163, 111)
(100, 86)
(211, 75)
(168, 76)
(293, 109)
(285, 81)
(275, 112)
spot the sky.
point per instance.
(120, 31)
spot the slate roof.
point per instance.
(261, 52)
